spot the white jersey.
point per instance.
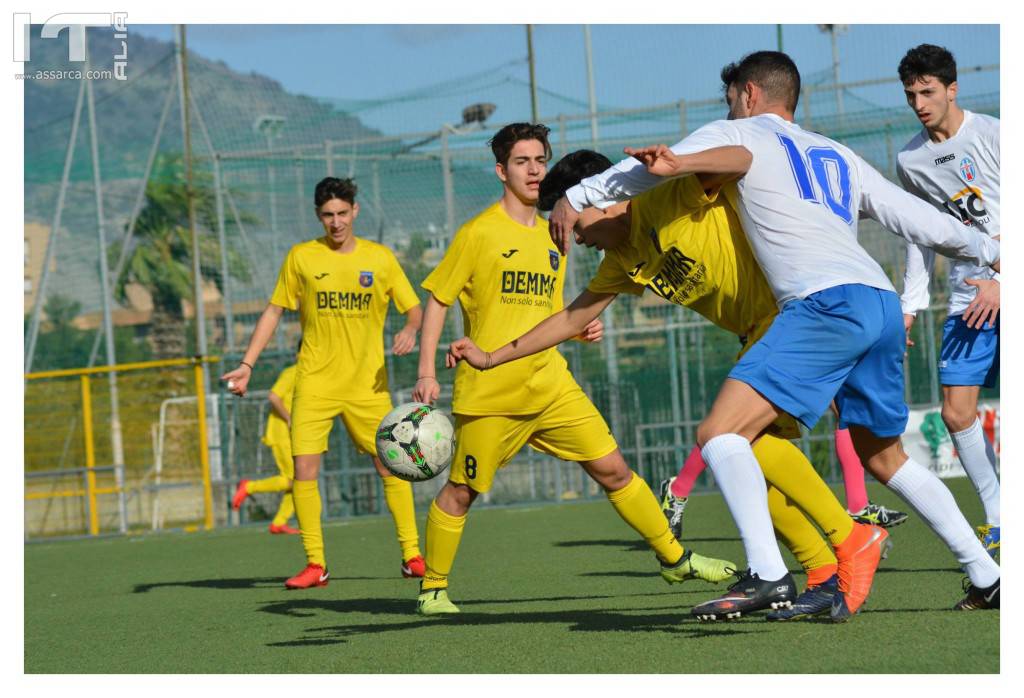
(959, 176)
(799, 204)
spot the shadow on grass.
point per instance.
(674, 623)
(240, 583)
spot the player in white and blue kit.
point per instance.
(839, 333)
(953, 164)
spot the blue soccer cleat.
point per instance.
(815, 601)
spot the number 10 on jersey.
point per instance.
(830, 171)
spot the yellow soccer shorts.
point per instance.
(785, 426)
(570, 428)
(283, 457)
(313, 416)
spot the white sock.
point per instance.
(979, 460)
(739, 477)
(931, 499)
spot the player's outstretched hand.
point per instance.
(465, 350)
(593, 332)
(985, 306)
(561, 224)
(404, 342)
(908, 322)
(427, 389)
(238, 380)
(658, 159)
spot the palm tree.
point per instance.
(161, 258)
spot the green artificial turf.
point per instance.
(561, 589)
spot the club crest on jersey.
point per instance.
(968, 170)
(366, 279)
(553, 258)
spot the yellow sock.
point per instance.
(785, 466)
(278, 483)
(398, 495)
(638, 507)
(444, 532)
(284, 510)
(797, 533)
(306, 495)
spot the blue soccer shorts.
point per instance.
(969, 356)
(846, 343)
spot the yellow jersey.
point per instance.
(277, 431)
(507, 277)
(691, 250)
(342, 301)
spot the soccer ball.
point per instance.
(415, 442)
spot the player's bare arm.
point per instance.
(405, 340)
(427, 388)
(567, 323)
(238, 379)
(715, 165)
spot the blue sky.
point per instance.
(634, 65)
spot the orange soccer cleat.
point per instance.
(240, 494)
(311, 576)
(858, 557)
(283, 528)
(414, 567)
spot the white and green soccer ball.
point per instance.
(415, 442)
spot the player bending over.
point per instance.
(341, 285)
(508, 276)
(683, 241)
(839, 334)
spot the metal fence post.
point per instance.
(204, 454)
(90, 457)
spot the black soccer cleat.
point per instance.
(747, 595)
(978, 599)
(815, 601)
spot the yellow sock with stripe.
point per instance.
(284, 510)
(444, 532)
(787, 468)
(638, 507)
(796, 532)
(277, 483)
(398, 495)
(306, 495)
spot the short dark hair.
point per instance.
(505, 139)
(928, 59)
(333, 188)
(772, 71)
(568, 172)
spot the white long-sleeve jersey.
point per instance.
(800, 202)
(959, 176)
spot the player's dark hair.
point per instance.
(772, 71)
(333, 188)
(568, 172)
(928, 59)
(505, 139)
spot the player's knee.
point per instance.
(708, 430)
(957, 417)
(455, 498)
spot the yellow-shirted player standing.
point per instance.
(276, 436)
(341, 285)
(508, 276)
(686, 244)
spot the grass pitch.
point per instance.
(559, 589)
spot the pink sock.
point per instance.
(853, 472)
(689, 473)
